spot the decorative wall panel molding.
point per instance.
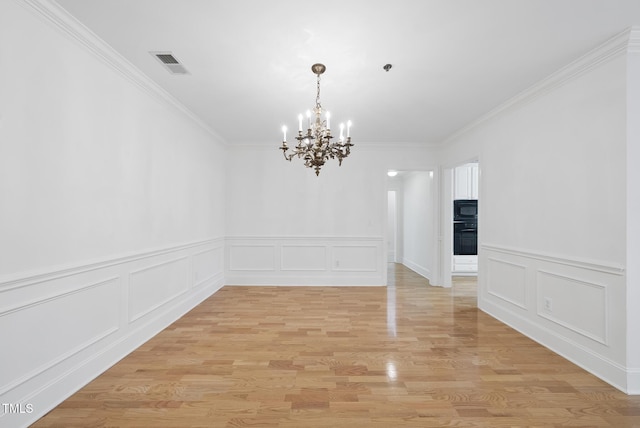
(37, 323)
(304, 260)
(303, 257)
(577, 305)
(572, 306)
(252, 257)
(28, 279)
(507, 281)
(355, 258)
(604, 267)
(153, 286)
(208, 266)
(66, 326)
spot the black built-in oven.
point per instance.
(465, 227)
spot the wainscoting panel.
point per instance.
(355, 258)
(557, 302)
(36, 343)
(63, 327)
(303, 257)
(151, 287)
(304, 260)
(575, 307)
(507, 281)
(208, 265)
(249, 257)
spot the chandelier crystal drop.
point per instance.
(315, 145)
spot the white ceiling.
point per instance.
(453, 60)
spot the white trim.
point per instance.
(75, 30)
(47, 385)
(233, 268)
(420, 270)
(69, 353)
(604, 339)
(597, 364)
(633, 381)
(131, 285)
(634, 40)
(325, 251)
(521, 305)
(597, 266)
(25, 279)
(314, 238)
(610, 49)
(358, 145)
(368, 271)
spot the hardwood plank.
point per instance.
(408, 355)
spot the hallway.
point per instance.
(406, 355)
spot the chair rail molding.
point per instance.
(91, 315)
(536, 293)
(304, 260)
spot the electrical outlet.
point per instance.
(548, 304)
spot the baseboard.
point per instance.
(165, 284)
(304, 260)
(570, 305)
(298, 280)
(420, 270)
(598, 365)
(633, 381)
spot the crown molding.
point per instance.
(398, 145)
(626, 41)
(56, 15)
(634, 40)
(359, 145)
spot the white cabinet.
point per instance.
(466, 182)
(465, 186)
(464, 264)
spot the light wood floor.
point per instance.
(407, 355)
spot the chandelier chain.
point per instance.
(318, 92)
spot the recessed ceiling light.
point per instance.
(392, 173)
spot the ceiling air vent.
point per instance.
(170, 62)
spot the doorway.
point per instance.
(412, 221)
(460, 225)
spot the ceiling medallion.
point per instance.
(315, 146)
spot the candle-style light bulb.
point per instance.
(328, 117)
(284, 133)
(341, 131)
(309, 119)
(300, 122)
(348, 127)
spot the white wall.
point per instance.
(112, 218)
(633, 207)
(392, 225)
(552, 218)
(119, 213)
(396, 184)
(339, 219)
(419, 223)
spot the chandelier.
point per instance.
(315, 146)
